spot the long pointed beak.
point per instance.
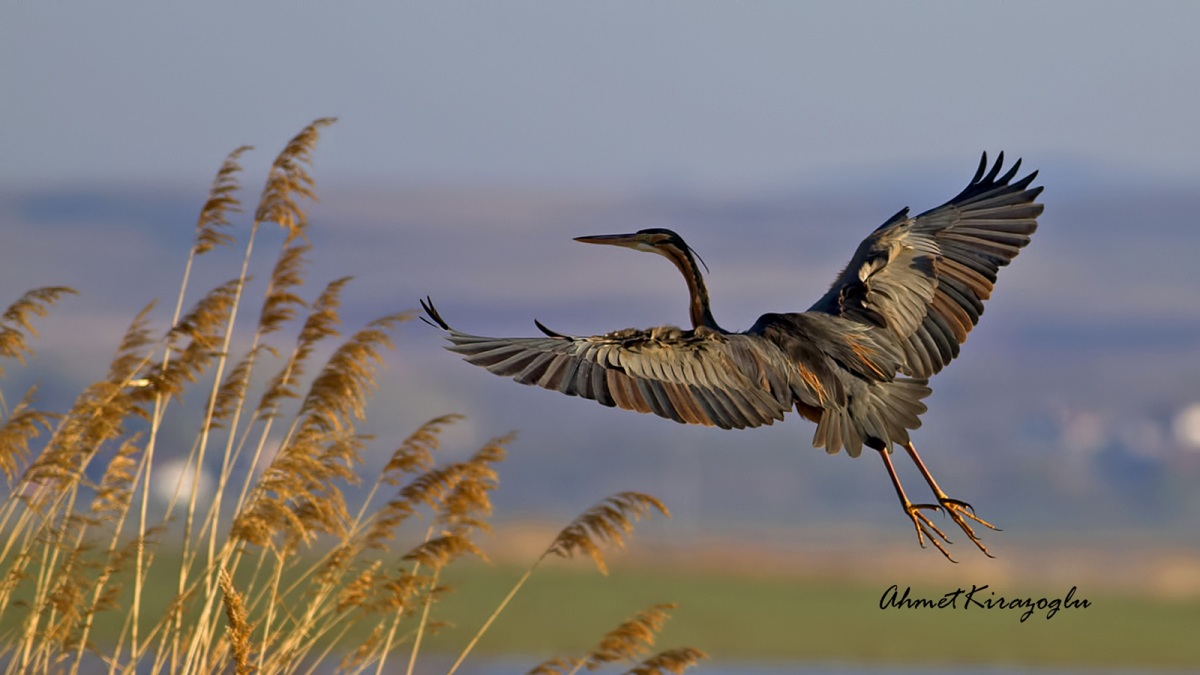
(629, 240)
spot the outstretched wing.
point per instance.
(925, 278)
(692, 377)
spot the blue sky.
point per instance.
(705, 94)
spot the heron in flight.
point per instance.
(857, 363)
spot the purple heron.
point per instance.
(857, 363)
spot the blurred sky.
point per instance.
(691, 93)
(475, 139)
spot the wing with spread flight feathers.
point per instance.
(693, 377)
(924, 279)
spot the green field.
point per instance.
(564, 609)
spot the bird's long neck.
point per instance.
(700, 312)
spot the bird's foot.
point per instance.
(961, 512)
(926, 528)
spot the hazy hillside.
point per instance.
(1066, 410)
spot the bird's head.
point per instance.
(658, 240)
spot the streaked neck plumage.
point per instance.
(699, 310)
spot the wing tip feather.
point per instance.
(431, 311)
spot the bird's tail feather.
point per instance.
(876, 414)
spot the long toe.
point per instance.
(960, 512)
(926, 528)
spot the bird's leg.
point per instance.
(921, 521)
(959, 510)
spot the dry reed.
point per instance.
(279, 570)
(627, 643)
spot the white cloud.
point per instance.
(176, 475)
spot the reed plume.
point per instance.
(222, 201)
(416, 452)
(606, 523)
(628, 642)
(238, 630)
(16, 326)
(674, 661)
(288, 179)
(631, 639)
(21, 425)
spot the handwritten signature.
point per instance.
(975, 598)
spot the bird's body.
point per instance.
(857, 362)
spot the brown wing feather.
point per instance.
(693, 377)
(925, 278)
